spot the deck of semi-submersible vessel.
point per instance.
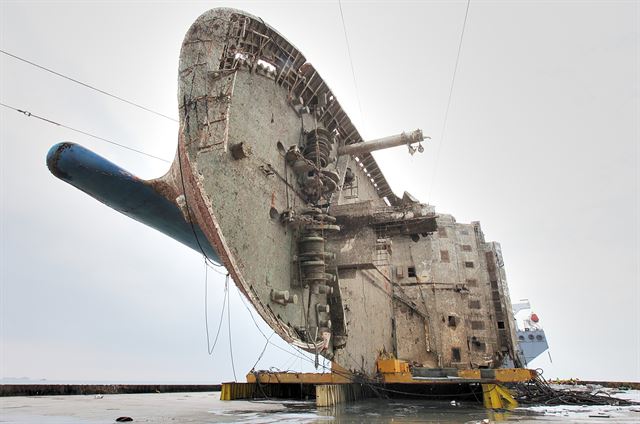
(272, 180)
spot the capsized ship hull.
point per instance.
(272, 180)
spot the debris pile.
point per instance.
(539, 391)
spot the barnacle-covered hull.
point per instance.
(272, 180)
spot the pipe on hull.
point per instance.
(382, 143)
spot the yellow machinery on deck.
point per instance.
(341, 386)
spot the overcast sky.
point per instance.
(541, 146)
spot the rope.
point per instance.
(233, 366)
(263, 350)
(206, 317)
(446, 113)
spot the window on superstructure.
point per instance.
(471, 282)
(350, 189)
(466, 247)
(444, 256)
(469, 264)
(478, 346)
(452, 321)
(474, 304)
(455, 354)
(411, 272)
(477, 325)
(501, 325)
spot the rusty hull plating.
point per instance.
(273, 181)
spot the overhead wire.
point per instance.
(106, 140)
(446, 113)
(50, 121)
(96, 89)
(353, 72)
(89, 86)
(208, 261)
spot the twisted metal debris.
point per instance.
(539, 391)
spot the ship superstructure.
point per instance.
(532, 340)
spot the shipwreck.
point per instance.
(272, 180)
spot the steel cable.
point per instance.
(91, 87)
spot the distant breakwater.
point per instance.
(100, 389)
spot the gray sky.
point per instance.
(541, 146)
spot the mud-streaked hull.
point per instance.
(329, 256)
